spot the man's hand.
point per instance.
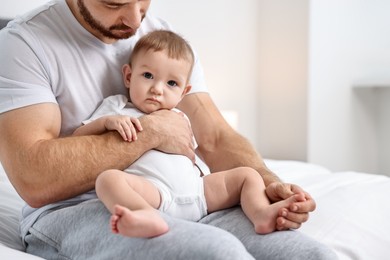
(298, 212)
(174, 133)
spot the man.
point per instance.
(58, 62)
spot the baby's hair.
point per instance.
(162, 40)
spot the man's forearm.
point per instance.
(232, 150)
(45, 169)
(64, 167)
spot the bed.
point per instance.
(352, 215)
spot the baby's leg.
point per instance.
(132, 200)
(244, 185)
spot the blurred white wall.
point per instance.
(349, 45)
(282, 75)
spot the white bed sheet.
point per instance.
(353, 209)
(352, 215)
(11, 246)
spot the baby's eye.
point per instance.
(172, 83)
(148, 75)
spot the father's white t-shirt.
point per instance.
(47, 56)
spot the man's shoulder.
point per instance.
(33, 24)
(29, 19)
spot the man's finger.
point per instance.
(308, 205)
(285, 224)
(293, 216)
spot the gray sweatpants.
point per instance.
(82, 232)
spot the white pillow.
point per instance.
(8, 253)
(297, 169)
(10, 209)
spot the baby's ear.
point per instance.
(186, 90)
(126, 74)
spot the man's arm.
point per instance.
(45, 168)
(219, 145)
(223, 148)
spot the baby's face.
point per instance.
(157, 81)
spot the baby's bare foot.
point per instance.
(265, 220)
(144, 223)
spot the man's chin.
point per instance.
(123, 35)
(127, 36)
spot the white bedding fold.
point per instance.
(353, 212)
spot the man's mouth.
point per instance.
(123, 29)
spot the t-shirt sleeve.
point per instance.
(23, 76)
(197, 79)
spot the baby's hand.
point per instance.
(126, 126)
